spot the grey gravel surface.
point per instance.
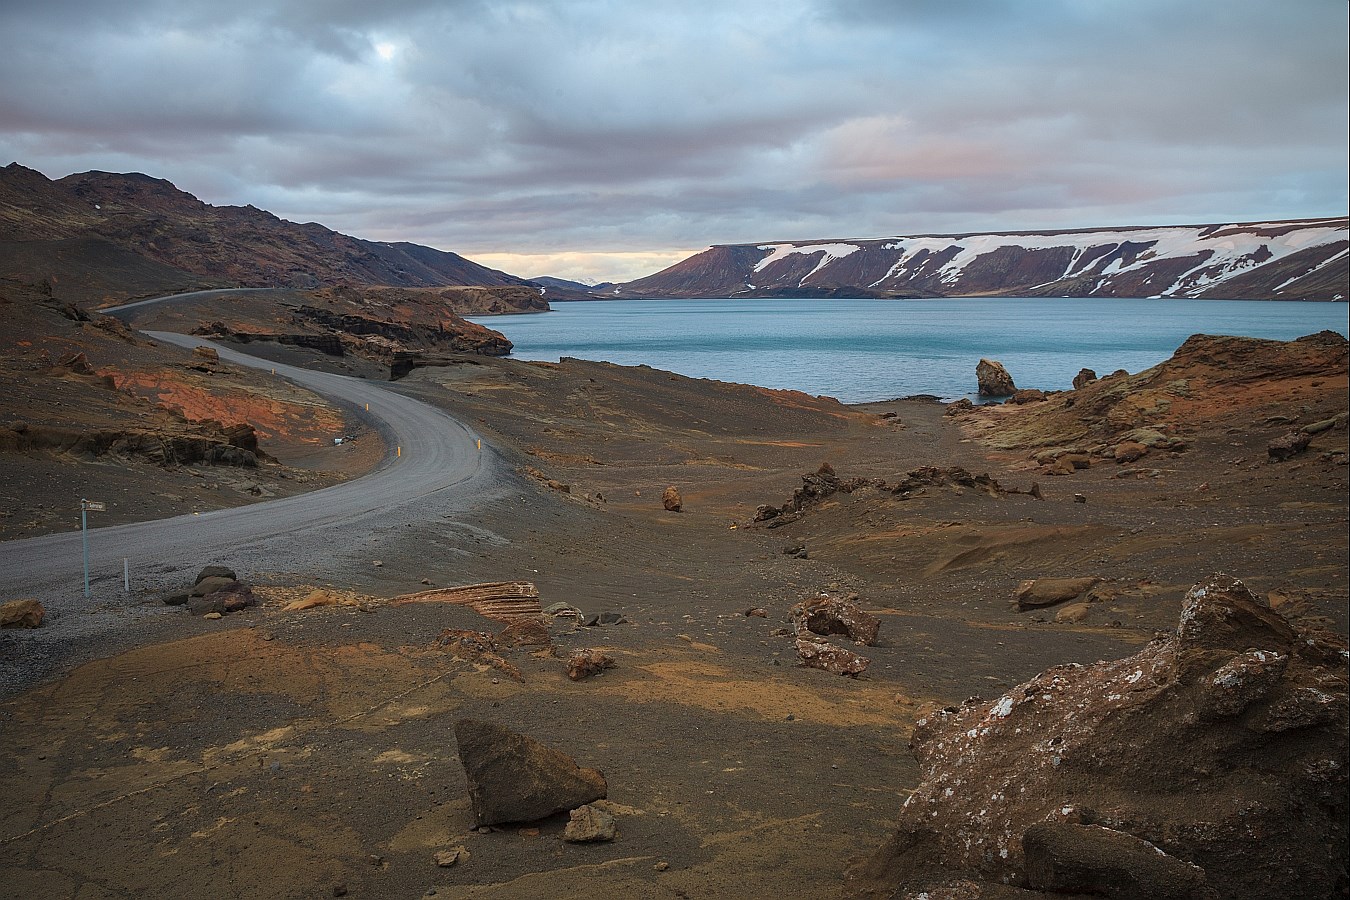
(436, 470)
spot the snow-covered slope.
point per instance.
(1302, 260)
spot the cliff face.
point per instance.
(166, 239)
(1305, 260)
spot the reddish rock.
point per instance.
(477, 647)
(585, 663)
(1289, 446)
(1222, 745)
(1129, 451)
(514, 778)
(670, 499)
(826, 615)
(22, 614)
(1084, 378)
(817, 654)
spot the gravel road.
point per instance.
(435, 471)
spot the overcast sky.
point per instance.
(603, 140)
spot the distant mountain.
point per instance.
(106, 236)
(1295, 260)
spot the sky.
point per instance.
(601, 140)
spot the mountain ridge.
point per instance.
(1297, 259)
(164, 239)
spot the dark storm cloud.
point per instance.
(534, 127)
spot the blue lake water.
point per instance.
(865, 350)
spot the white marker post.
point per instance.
(85, 507)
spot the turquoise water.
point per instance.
(864, 350)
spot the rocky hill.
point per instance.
(1302, 260)
(97, 237)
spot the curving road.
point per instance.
(440, 474)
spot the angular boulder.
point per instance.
(514, 778)
(816, 654)
(671, 500)
(1084, 378)
(22, 614)
(589, 825)
(1222, 745)
(1289, 446)
(993, 379)
(825, 615)
(1040, 592)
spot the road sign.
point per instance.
(94, 505)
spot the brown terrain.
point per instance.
(738, 548)
(700, 640)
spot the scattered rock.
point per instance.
(670, 499)
(312, 600)
(207, 353)
(214, 615)
(1080, 498)
(22, 614)
(178, 598)
(514, 778)
(1289, 446)
(758, 612)
(604, 619)
(376, 563)
(1214, 756)
(836, 660)
(589, 824)
(1129, 451)
(1072, 614)
(478, 648)
(1041, 592)
(585, 663)
(451, 857)
(216, 572)
(960, 406)
(993, 379)
(826, 615)
(1084, 378)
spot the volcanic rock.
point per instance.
(1041, 592)
(670, 499)
(817, 654)
(826, 615)
(1221, 744)
(1291, 445)
(514, 778)
(585, 663)
(21, 614)
(1084, 377)
(1129, 451)
(993, 379)
(215, 572)
(589, 824)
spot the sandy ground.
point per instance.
(307, 754)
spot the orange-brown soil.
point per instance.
(311, 753)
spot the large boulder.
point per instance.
(1222, 745)
(514, 778)
(1040, 592)
(993, 379)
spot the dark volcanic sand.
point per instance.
(276, 754)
